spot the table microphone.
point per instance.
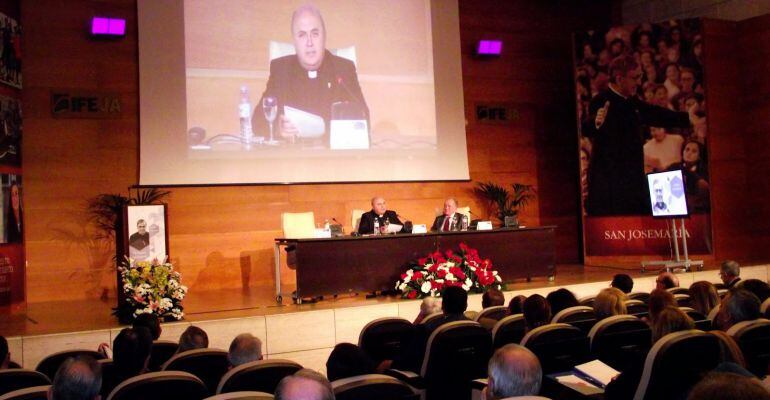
(350, 93)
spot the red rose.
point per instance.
(422, 261)
(412, 294)
(417, 275)
(449, 253)
(441, 274)
(403, 276)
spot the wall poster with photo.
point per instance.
(145, 232)
(10, 51)
(10, 131)
(11, 210)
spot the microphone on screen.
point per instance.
(407, 222)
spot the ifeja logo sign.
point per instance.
(80, 104)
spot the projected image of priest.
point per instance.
(309, 84)
(139, 242)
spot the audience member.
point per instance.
(561, 299)
(193, 338)
(659, 299)
(245, 348)
(724, 386)
(131, 354)
(537, 312)
(516, 305)
(348, 360)
(430, 305)
(609, 302)
(151, 322)
(305, 384)
(5, 355)
(492, 298)
(730, 272)
(513, 371)
(623, 282)
(666, 280)
(670, 319)
(738, 305)
(78, 378)
(760, 288)
(703, 297)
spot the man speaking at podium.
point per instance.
(312, 80)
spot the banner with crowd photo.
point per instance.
(641, 109)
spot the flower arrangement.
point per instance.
(430, 275)
(151, 287)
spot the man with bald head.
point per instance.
(312, 80)
(666, 280)
(513, 371)
(381, 214)
(305, 384)
(450, 219)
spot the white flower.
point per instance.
(409, 272)
(468, 283)
(473, 268)
(426, 287)
(402, 286)
(466, 287)
(165, 303)
(408, 279)
(497, 278)
(450, 277)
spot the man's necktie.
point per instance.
(445, 227)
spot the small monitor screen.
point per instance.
(667, 194)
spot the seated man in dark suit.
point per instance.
(312, 80)
(450, 220)
(381, 214)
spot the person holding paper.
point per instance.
(311, 81)
(450, 220)
(381, 214)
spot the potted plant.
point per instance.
(504, 203)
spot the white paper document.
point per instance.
(579, 384)
(309, 125)
(598, 371)
(394, 228)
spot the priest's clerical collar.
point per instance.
(312, 74)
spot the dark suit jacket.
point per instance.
(455, 225)
(336, 81)
(366, 226)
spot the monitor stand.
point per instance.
(677, 263)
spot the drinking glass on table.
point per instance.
(270, 108)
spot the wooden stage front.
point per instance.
(305, 333)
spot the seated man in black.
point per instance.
(380, 213)
(453, 305)
(450, 220)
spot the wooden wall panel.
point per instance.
(221, 237)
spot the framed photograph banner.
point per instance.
(145, 232)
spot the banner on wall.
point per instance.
(640, 109)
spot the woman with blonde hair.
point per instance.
(671, 319)
(703, 297)
(609, 302)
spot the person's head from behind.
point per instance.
(537, 311)
(725, 385)
(492, 298)
(450, 206)
(513, 371)
(430, 305)
(244, 348)
(348, 360)
(308, 32)
(760, 288)
(561, 299)
(149, 321)
(193, 338)
(78, 378)
(131, 351)
(378, 205)
(659, 299)
(609, 302)
(703, 297)
(738, 305)
(625, 75)
(455, 300)
(5, 355)
(729, 270)
(666, 280)
(516, 305)
(669, 320)
(305, 384)
(623, 282)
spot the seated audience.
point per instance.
(760, 288)
(131, 354)
(348, 360)
(666, 280)
(5, 355)
(492, 298)
(537, 312)
(513, 371)
(659, 299)
(193, 338)
(730, 272)
(738, 305)
(305, 384)
(430, 305)
(609, 302)
(623, 282)
(561, 299)
(703, 297)
(722, 385)
(78, 378)
(670, 319)
(151, 322)
(516, 305)
(245, 348)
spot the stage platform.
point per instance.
(304, 333)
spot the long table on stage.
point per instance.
(371, 263)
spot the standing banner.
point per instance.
(640, 109)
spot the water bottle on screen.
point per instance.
(244, 112)
(464, 226)
(376, 226)
(270, 108)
